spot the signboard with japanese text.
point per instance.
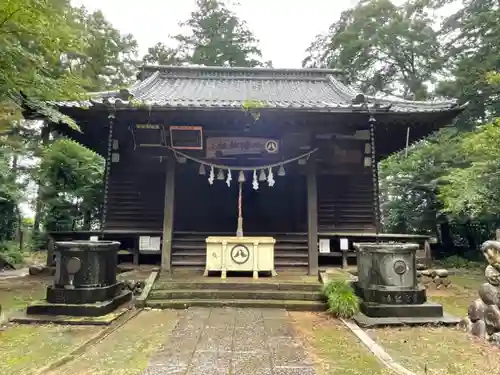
(217, 147)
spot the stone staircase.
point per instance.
(173, 294)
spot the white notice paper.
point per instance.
(344, 244)
(144, 242)
(324, 245)
(155, 243)
(94, 238)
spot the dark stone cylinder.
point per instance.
(94, 261)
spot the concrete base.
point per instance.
(369, 322)
(378, 310)
(91, 309)
(69, 320)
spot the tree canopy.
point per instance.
(212, 36)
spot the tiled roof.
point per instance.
(213, 87)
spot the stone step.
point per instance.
(236, 285)
(288, 305)
(207, 294)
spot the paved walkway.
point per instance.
(222, 341)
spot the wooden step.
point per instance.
(290, 254)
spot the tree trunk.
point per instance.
(38, 204)
(87, 219)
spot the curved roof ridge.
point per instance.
(236, 69)
(142, 84)
(417, 103)
(347, 92)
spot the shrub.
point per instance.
(11, 253)
(456, 261)
(341, 299)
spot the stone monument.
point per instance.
(85, 281)
(389, 290)
(483, 318)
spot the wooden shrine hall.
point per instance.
(288, 154)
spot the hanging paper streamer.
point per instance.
(220, 175)
(255, 183)
(270, 177)
(211, 176)
(262, 175)
(229, 178)
(201, 171)
(281, 171)
(241, 177)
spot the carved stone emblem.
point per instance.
(240, 254)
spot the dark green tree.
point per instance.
(472, 46)
(71, 178)
(215, 36)
(382, 47)
(160, 54)
(109, 59)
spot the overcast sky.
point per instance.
(285, 28)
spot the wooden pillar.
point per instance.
(136, 251)
(312, 215)
(168, 215)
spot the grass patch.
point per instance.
(17, 293)
(26, 348)
(438, 351)
(334, 349)
(443, 350)
(341, 299)
(127, 350)
(460, 294)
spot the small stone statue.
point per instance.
(483, 318)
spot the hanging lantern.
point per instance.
(201, 170)
(281, 171)
(241, 177)
(262, 175)
(220, 175)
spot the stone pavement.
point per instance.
(220, 341)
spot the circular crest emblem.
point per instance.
(271, 146)
(400, 267)
(240, 254)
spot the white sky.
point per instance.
(285, 28)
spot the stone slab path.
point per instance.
(220, 341)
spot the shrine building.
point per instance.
(291, 154)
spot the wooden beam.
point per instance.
(168, 216)
(312, 215)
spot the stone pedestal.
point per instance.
(388, 287)
(84, 282)
(240, 254)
